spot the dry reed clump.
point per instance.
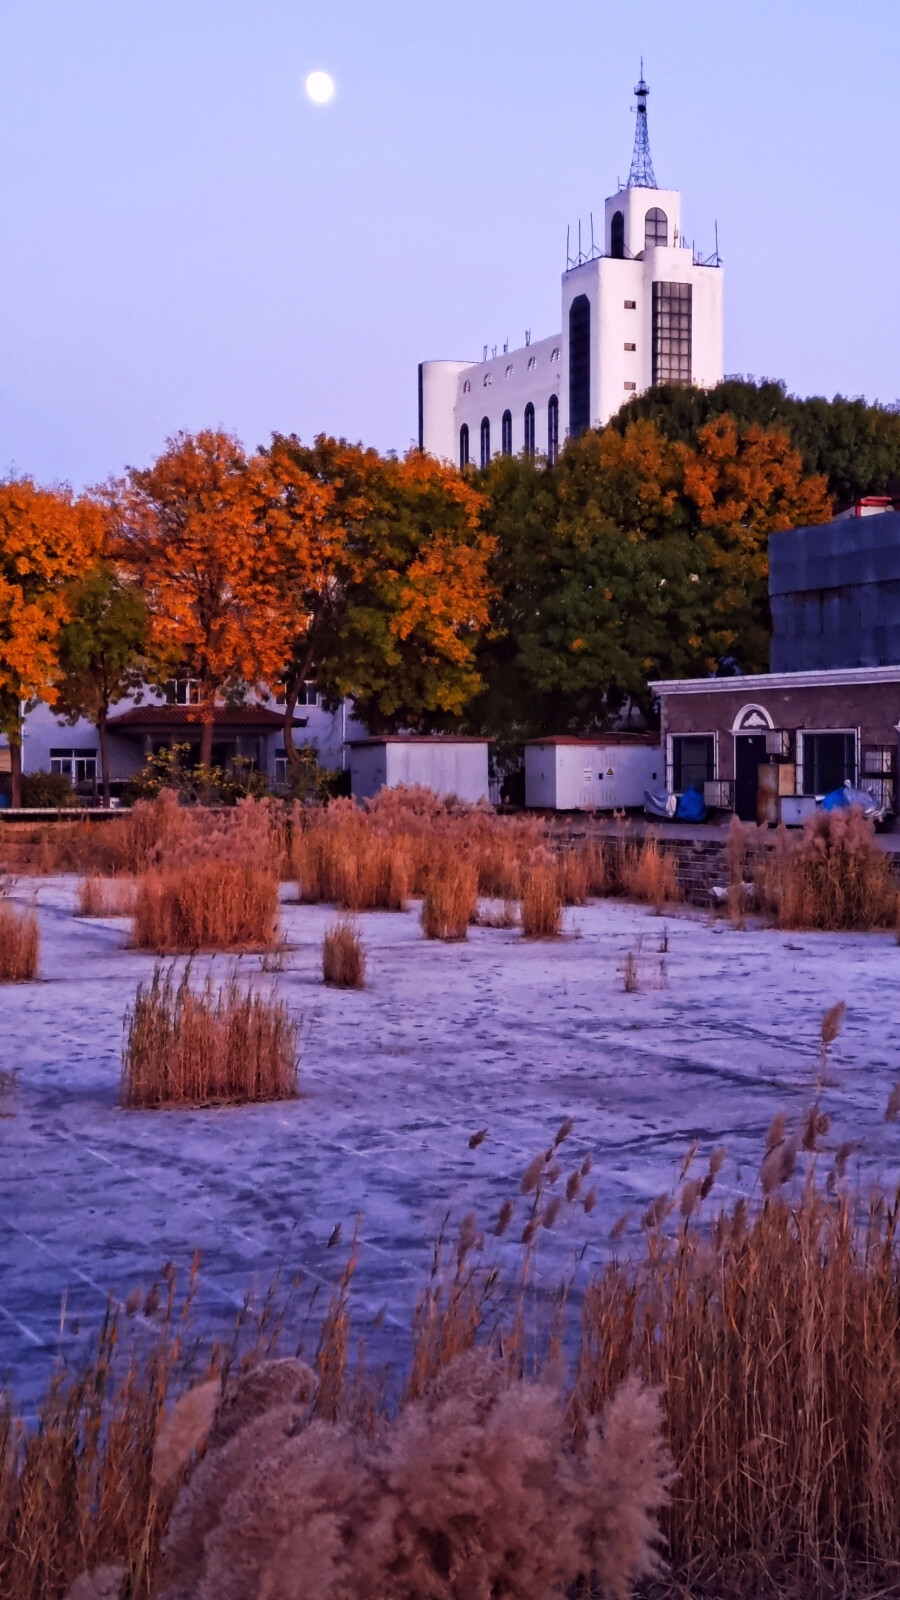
(105, 897)
(542, 902)
(206, 1048)
(214, 905)
(831, 876)
(20, 944)
(343, 957)
(648, 873)
(450, 901)
(471, 1491)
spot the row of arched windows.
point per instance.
(506, 435)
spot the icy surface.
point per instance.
(499, 1033)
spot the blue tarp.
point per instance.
(691, 806)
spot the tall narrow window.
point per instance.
(506, 433)
(579, 365)
(617, 235)
(464, 447)
(485, 441)
(529, 429)
(672, 351)
(552, 429)
(656, 228)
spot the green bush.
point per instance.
(47, 789)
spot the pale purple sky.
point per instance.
(188, 242)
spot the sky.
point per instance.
(186, 241)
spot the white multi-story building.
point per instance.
(644, 309)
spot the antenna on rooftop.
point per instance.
(641, 175)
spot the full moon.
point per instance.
(320, 87)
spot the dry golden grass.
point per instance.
(542, 902)
(343, 957)
(450, 902)
(830, 876)
(208, 904)
(20, 944)
(649, 873)
(208, 1048)
(105, 897)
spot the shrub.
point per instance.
(214, 905)
(105, 897)
(831, 876)
(211, 1048)
(343, 957)
(450, 901)
(47, 789)
(574, 877)
(20, 944)
(542, 905)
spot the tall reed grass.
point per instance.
(212, 1047)
(343, 957)
(208, 904)
(105, 897)
(542, 902)
(832, 875)
(20, 943)
(450, 901)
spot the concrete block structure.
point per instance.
(448, 765)
(566, 773)
(639, 308)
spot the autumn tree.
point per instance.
(204, 531)
(634, 558)
(853, 445)
(47, 538)
(101, 652)
(396, 623)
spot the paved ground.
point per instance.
(498, 1034)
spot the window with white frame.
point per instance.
(690, 761)
(309, 694)
(79, 766)
(827, 758)
(183, 692)
(281, 766)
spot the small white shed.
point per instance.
(441, 762)
(566, 773)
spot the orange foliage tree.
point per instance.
(402, 588)
(216, 543)
(47, 538)
(743, 484)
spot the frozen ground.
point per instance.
(497, 1034)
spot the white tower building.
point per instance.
(644, 309)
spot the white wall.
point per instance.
(439, 435)
(588, 776)
(368, 770)
(507, 382)
(449, 766)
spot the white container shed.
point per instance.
(565, 773)
(446, 764)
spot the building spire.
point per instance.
(641, 175)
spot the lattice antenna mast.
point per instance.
(641, 175)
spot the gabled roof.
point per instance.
(166, 716)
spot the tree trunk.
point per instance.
(206, 738)
(292, 690)
(104, 753)
(15, 765)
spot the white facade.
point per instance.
(644, 309)
(448, 766)
(571, 774)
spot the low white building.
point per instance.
(139, 727)
(643, 307)
(567, 773)
(442, 762)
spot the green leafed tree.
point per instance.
(101, 653)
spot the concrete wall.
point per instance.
(368, 770)
(507, 382)
(835, 594)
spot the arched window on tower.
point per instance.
(506, 433)
(529, 429)
(656, 228)
(464, 447)
(579, 365)
(552, 429)
(485, 441)
(617, 235)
